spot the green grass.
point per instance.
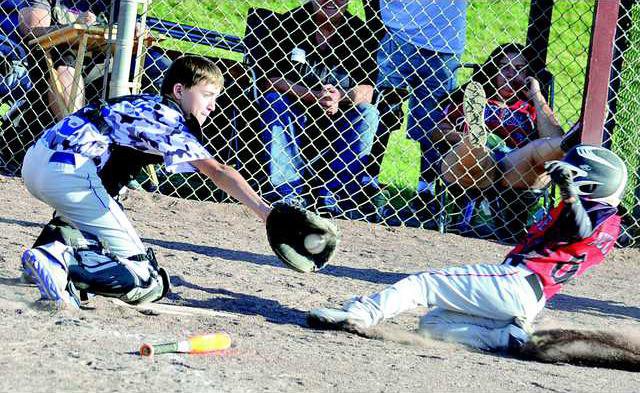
(626, 139)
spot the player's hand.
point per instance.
(88, 18)
(533, 88)
(562, 174)
(329, 99)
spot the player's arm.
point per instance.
(546, 122)
(232, 182)
(576, 217)
(302, 93)
(358, 94)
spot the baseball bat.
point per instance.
(197, 344)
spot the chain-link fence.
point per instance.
(359, 110)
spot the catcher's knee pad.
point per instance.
(94, 269)
(133, 280)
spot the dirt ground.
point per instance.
(219, 259)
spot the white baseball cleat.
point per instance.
(332, 318)
(473, 106)
(50, 277)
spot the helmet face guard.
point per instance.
(599, 174)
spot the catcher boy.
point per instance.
(80, 164)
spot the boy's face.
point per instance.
(331, 8)
(512, 73)
(198, 100)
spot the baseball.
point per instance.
(315, 243)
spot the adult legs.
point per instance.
(394, 75)
(282, 124)
(345, 173)
(470, 166)
(435, 79)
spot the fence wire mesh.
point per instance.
(358, 110)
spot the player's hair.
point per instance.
(491, 67)
(189, 71)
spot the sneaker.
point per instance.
(421, 212)
(327, 204)
(332, 318)
(285, 193)
(473, 105)
(51, 278)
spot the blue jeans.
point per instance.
(283, 122)
(429, 76)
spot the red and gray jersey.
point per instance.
(552, 251)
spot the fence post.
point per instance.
(594, 103)
(621, 44)
(120, 84)
(540, 14)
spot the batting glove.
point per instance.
(562, 174)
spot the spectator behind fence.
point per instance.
(419, 53)
(318, 121)
(515, 114)
(39, 17)
(14, 84)
(14, 78)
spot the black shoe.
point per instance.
(364, 205)
(365, 211)
(327, 204)
(422, 212)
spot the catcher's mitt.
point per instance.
(303, 240)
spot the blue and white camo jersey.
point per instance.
(146, 123)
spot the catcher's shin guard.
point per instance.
(94, 269)
(134, 280)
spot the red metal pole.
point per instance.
(594, 104)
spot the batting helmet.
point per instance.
(600, 174)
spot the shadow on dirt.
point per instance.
(240, 303)
(4, 220)
(605, 308)
(371, 275)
